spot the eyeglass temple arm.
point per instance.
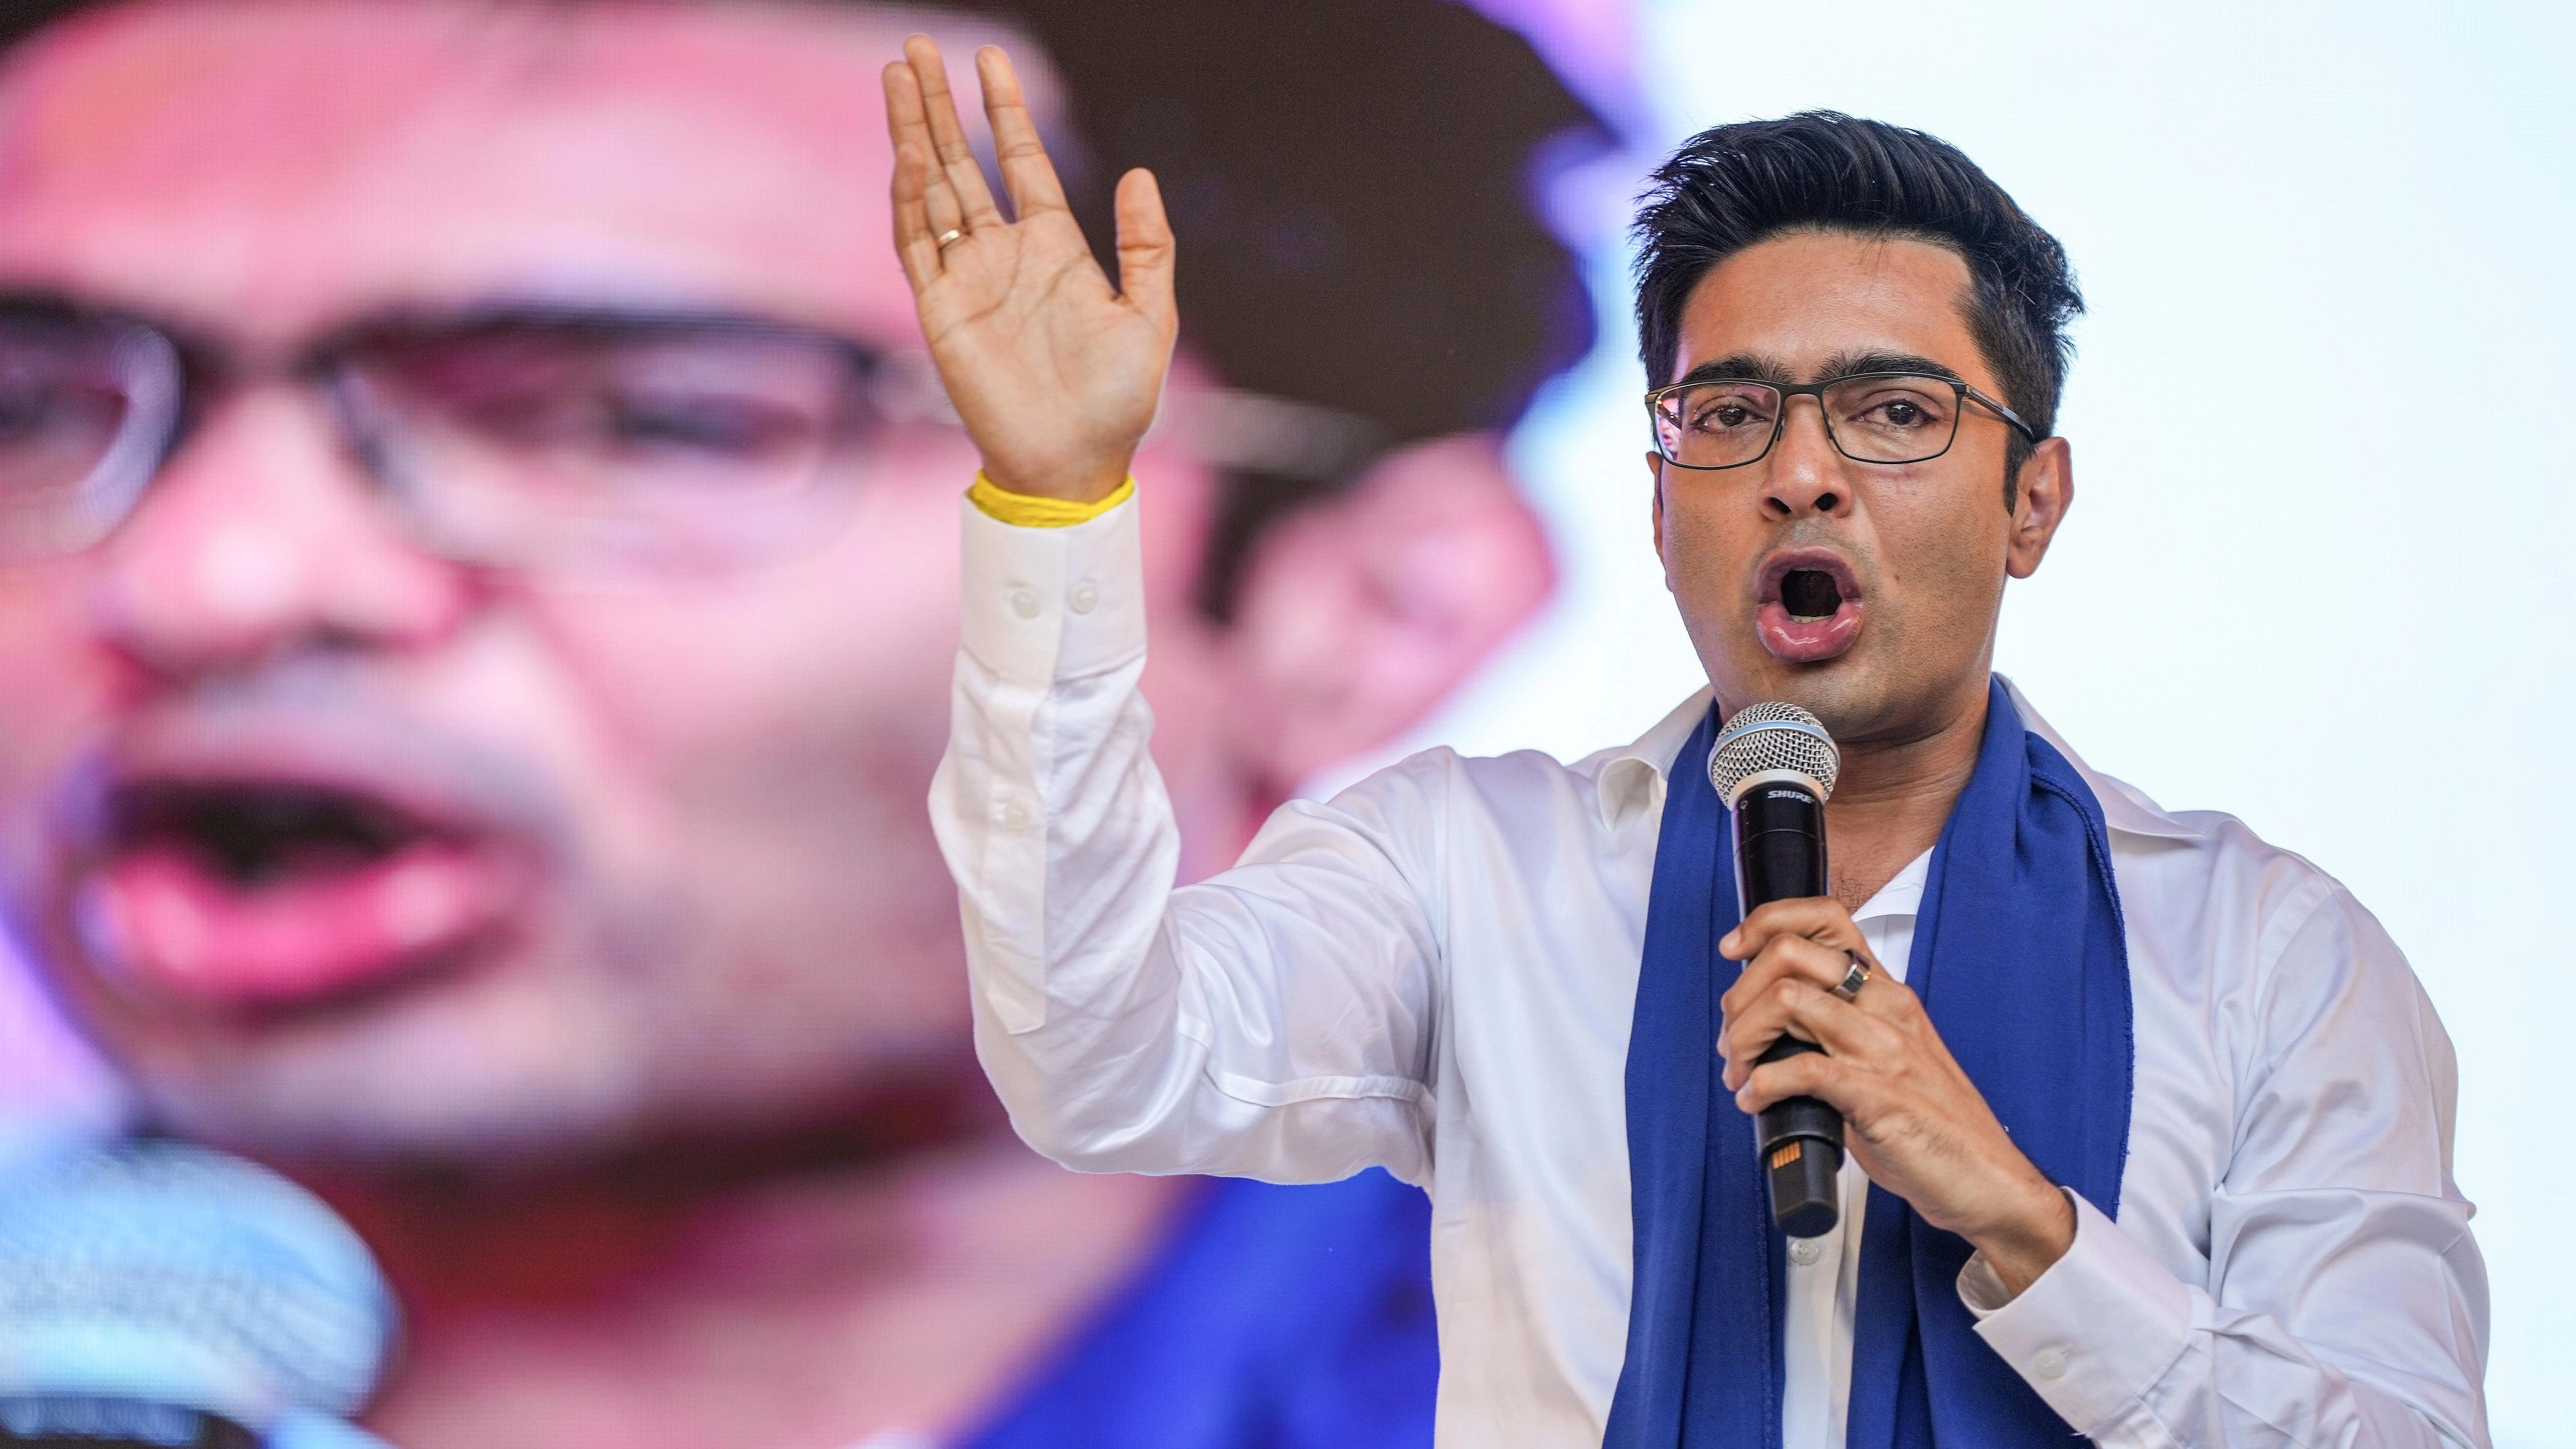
(2007, 414)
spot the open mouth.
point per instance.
(252, 891)
(1808, 608)
(1810, 595)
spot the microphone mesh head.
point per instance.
(1774, 736)
(169, 1274)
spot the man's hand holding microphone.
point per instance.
(1911, 1117)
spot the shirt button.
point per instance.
(1086, 597)
(2049, 1363)
(1024, 602)
(1015, 817)
(1805, 1251)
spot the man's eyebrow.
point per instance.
(42, 300)
(540, 311)
(1742, 367)
(1853, 364)
(1747, 366)
(65, 306)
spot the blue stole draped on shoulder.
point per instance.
(2021, 962)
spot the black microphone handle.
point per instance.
(1780, 855)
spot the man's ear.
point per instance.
(1655, 493)
(2046, 490)
(1359, 614)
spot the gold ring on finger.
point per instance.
(944, 238)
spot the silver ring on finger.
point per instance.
(1853, 980)
(948, 237)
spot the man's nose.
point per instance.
(261, 537)
(1805, 472)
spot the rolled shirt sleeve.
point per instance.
(1273, 1022)
(2345, 1302)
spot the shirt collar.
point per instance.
(1632, 780)
(1901, 896)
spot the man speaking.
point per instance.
(2148, 1122)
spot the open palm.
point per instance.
(1054, 372)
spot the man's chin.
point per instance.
(361, 1126)
(1847, 693)
(464, 1062)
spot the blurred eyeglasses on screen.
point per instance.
(506, 436)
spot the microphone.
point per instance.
(158, 1294)
(1774, 765)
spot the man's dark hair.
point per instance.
(1730, 187)
(1351, 184)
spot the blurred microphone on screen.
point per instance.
(164, 1295)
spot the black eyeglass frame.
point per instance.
(1817, 390)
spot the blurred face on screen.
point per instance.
(501, 723)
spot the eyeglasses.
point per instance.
(1871, 417)
(502, 436)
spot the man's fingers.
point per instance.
(913, 233)
(1816, 917)
(1794, 1008)
(907, 121)
(1025, 168)
(1747, 1033)
(913, 243)
(1808, 1074)
(957, 163)
(1146, 252)
(1788, 957)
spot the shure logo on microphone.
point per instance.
(1785, 795)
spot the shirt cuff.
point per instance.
(2092, 1334)
(1050, 603)
(1026, 510)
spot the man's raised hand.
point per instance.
(1055, 373)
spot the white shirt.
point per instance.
(1436, 970)
(1824, 1273)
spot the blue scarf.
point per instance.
(2021, 961)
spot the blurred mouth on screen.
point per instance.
(242, 871)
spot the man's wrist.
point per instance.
(2031, 1240)
(1085, 485)
(1039, 511)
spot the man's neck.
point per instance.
(1895, 794)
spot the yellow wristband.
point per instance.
(1029, 511)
